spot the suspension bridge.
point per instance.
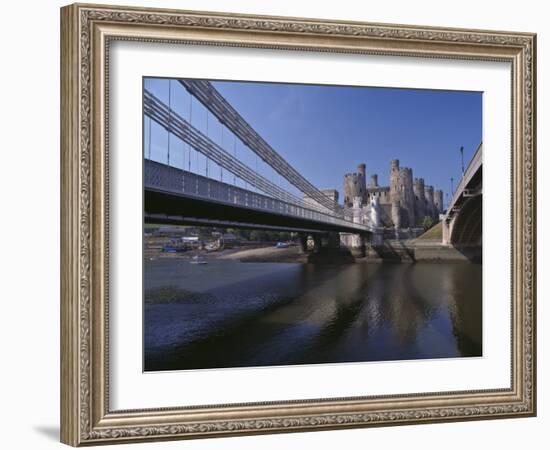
(242, 197)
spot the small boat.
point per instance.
(174, 246)
(282, 245)
(198, 259)
(172, 249)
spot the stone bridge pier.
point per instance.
(316, 242)
(363, 244)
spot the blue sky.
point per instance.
(325, 131)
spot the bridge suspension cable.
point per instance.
(150, 121)
(169, 117)
(226, 114)
(179, 127)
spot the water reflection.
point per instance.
(231, 314)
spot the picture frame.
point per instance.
(87, 32)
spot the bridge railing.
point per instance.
(472, 168)
(166, 178)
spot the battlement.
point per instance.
(354, 186)
(353, 175)
(378, 189)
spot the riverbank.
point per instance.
(413, 250)
(392, 251)
(270, 253)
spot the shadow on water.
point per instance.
(233, 337)
(323, 314)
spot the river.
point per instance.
(232, 314)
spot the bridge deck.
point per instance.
(471, 177)
(170, 190)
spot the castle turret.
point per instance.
(430, 205)
(374, 180)
(355, 185)
(419, 200)
(438, 201)
(362, 171)
(396, 214)
(406, 197)
(375, 212)
(394, 181)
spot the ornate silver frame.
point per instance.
(86, 31)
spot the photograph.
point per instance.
(291, 224)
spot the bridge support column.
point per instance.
(317, 242)
(331, 241)
(373, 242)
(377, 238)
(446, 226)
(355, 243)
(303, 238)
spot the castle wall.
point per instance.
(382, 192)
(396, 214)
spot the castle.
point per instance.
(403, 204)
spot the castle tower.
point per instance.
(375, 212)
(396, 214)
(357, 210)
(430, 205)
(362, 171)
(374, 181)
(395, 195)
(354, 185)
(405, 185)
(438, 201)
(420, 199)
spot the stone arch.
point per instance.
(468, 226)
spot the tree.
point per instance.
(257, 235)
(427, 223)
